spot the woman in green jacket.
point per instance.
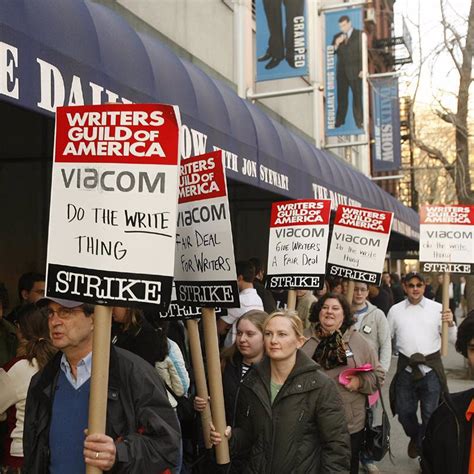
(290, 418)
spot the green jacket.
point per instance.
(303, 432)
(8, 341)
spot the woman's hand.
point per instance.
(200, 404)
(216, 437)
(354, 383)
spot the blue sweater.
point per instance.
(68, 422)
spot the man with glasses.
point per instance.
(415, 325)
(142, 431)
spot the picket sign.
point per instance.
(112, 226)
(447, 246)
(359, 244)
(350, 292)
(205, 273)
(100, 374)
(200, 378)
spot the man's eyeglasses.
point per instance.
(415, 285)
(63, 313)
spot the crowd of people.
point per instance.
(301, 387)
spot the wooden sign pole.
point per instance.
(200, 378)
(291, 302)
(215, 382)
(350, 292)
(100, 374)
(445, 326)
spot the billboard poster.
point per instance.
(114, 203)
(386, 152)
(205, 273)
(359, 244)
(281, 39)
(344, 90)
(297, 249)
(447, 239)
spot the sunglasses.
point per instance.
(415, 285)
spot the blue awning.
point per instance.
(77, 51)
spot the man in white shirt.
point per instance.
(249, 300)
(415, 325)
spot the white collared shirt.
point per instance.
(84, 369)
(417, 328)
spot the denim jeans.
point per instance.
(409, 393)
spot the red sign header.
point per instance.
(117, 133)
(447, 215)
(202, 177)
(371, 220)
(300, 212)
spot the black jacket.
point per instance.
(139, 416)
(231, 379)
(447, 442)
(304, 431)
(269, 304)
(349, 56)
(141, 340)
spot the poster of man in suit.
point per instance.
(344, 91)
(281, 39)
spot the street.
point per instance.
(457, 373)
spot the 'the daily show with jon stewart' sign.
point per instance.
(447, 239)
(299, 232)
(114, 201)
(205, 273)
(359, 244)
(386, 154)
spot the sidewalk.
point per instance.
(457, 373)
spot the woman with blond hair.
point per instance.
(33, 353)
(289, 415)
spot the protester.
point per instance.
(134, 333)
(387, 286)
(304, 301)
(269, 304)
(170, 365)
(8, 339)
(448, 445)
(336, 345)
(34, 352)
(248, 297)
(30, 290)
(372, 324)
(335, 286)
(415, 324)
(172, 370)
(142, 431)
(289, 414)
(325, 289)
(397, 289)
(379, 297)
(429, 292)
(462, 293)
(238, 359)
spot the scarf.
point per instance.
(330, 352)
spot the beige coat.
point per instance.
(363, 353)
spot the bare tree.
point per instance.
(460, 48)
